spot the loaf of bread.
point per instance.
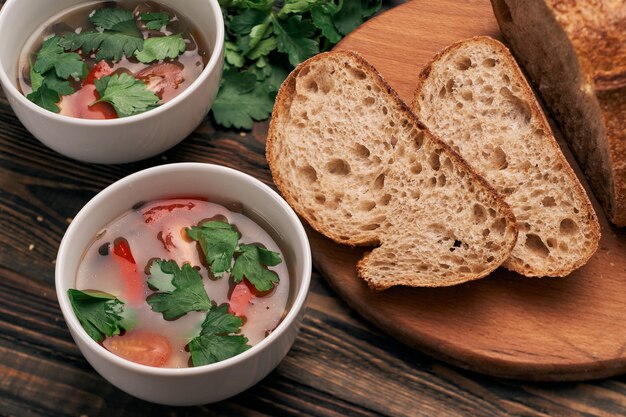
(351, 158)
(475, 98)
(574, 52)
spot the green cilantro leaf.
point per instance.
(161, 47)
(244, 22)
(155, 21)
(218, 339)
(120, 35)
(36, 79)
(232, 55)
(47, 89)
(294, 38)
(241, 99)
(296, 6)
(352, 13)
(218, 241)
(109, 18)
(65, 64)
(108, 44)
(189, 293)
(128, 95)
(99, 313)
(45, 97)
(322, 15)
(251, 265)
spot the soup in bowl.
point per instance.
(209, 274)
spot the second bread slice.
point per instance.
(354, 162)
(474, 96)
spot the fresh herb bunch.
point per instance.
(266, 39)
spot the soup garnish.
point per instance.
(106, 61)
(180, 282)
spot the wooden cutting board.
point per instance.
(504, 325)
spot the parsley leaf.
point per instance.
(119, 36)
(110, 18)
(155, 21)
(99, 313)
(294, 38)
(322, 18)
(218, 241)
(45, 97)
(241, 100)
(216, 341)
(251, 265)
(189, 293)
(161, 47)
(65, 64)
(128, 95)
(108, 44)
(47, 89)
(352, 13)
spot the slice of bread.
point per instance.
(474, 96)
(575, 53)
(351, 158)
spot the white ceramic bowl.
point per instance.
(117, 140)
(209, 383)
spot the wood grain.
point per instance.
(505, 325)
(339, 366)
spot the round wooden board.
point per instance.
(504, 325)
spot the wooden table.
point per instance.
(339, 365)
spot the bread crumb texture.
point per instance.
(354, 162)
(476, 99)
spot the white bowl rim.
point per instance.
(208, 69)
(102, 196)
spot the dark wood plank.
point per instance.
(340, 365)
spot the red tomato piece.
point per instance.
(240, 299)
(101, 69)
(161, 78)
(133, 279)
(145, 348)
(79, 105)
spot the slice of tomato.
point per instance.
(101, 69)
(132, 277)
(78, 105)
(240, 299)
(162, 78)
(146, 348)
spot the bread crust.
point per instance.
(512, 263)
(593, 34)
(282, 105)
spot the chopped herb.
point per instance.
(161, 47)
(155, 21)
(252, 263)
(188, 294)
(99, 313)
(276, 36)
(128, 95)
(65, 64)
(218, 241)
(119, 36)
(218, 339)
